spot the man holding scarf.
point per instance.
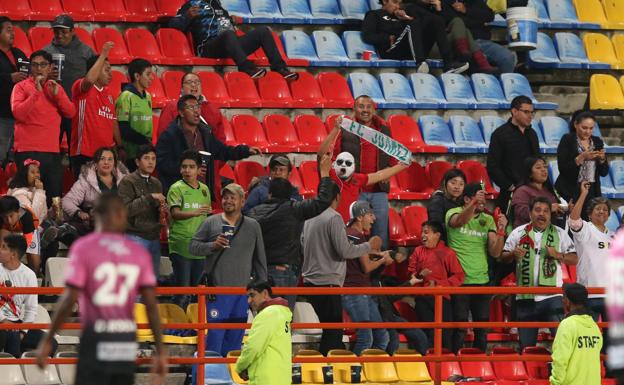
(539, 248)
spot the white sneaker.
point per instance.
(423, 68)
(457, 68)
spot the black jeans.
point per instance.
(425, 308)
(11, 341)
(547, 310)
(51, 171)
(328, 308)
(416, 338)
(410, 45)
(432, 31)
(227, 44)
(479, 306)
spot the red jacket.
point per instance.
(38, 116)
(443, 263)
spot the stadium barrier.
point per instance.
(437, 325)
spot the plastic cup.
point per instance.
(367, 55)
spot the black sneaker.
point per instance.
(290, 76)
(255, 73)
(456, 67)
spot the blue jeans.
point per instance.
(547, 310)
(379, 201)
(187, 272)
(498, 55)
(226, 308)
(285, 277)
(416, 338)
(152, 247)
(364, 308)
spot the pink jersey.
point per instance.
(109, 269)
(615, 302)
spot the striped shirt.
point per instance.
(92, 127)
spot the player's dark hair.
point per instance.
(145, 149)
(435, 226)
(260, 286)
(8, 204)
(107, 203)
(137, 66)
(98, 154)
(41, 53)
(91, 61)
(280, 188)
(183, 99)
(518, 101)
(192, 155)
(537, 200)
(16, 243)
(471, 189)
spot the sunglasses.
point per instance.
(341, 162)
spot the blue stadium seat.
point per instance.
(545, 56)
(354, 45)
(363, 83)
(489, 124)
(298, 45)
(620, 212)
(466, 132)
(613, 223)
(265, 11)
(499, 21)
(297, 10)
(457, 91)
(329, 49)
(609, 149)
(616, 168)
(237, 8)
(374, 4)
(353, 9)
(553, 171)
(571, 50)
(396, 89)
(553, 128)
(607, 187)
(427, 91)
(435, 131)
(214, 374)
(562, 14)
(517, 84)
(544, 148)
(326, 12)
(542, 14)
(488, 91)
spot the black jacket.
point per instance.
(438, 206)
(6, 69)
(206, 26)
(282, 220)
(477, 14)
(378, 26)
(172, 143)
(567, 183)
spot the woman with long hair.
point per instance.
(448, 197)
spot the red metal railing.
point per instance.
(437, 325)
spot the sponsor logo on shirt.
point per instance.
(106, 112)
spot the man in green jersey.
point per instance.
(473, 234)
(576, 349)
(189, 203)
(134, 109)
(266, 356)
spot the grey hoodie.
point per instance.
(76, 55)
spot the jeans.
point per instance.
(479, 306)
(425, 308)
(285, 276)
(187, 272)
(152, 247)
(12, 343)
(226, 308)
(6, 137)
(416, 338)
(227, 44)
(51, 171)
(547, 310)
(328, 308)
(498, 55)
(379, 202)
(364, 308)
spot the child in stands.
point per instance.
(21, 220)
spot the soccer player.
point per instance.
(107, 270)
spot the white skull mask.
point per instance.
(344, 165)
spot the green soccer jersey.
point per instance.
(137, 112)
(186, 198)
(470, 244)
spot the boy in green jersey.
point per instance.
(189, 202)
(134, 109)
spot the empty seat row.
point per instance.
(606, 92)
(604, 50)
(608, 14)
(300, 11)
(556, 14)
(566, 51)
(14, 374)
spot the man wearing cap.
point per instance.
(234, 250)
(279, 167)
(77, 54)
(576, 349)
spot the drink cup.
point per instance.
(228, 232)
(356, 374)
(58, 59)
(296, 374)
(367, 55)
(328, 374)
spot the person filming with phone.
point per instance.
(581, 158)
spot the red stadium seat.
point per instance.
(248, 130)
(4, 180)
(481, 369)
(174, 47)
(295, 180)
(10, 170)
(16, 9)
(172, 83)
(40, 37)
(536, 370)
(242, 90)
(214, 88)
(330, 121)
(118, 79)
(85, 37)
(119, 54)
(280, 133)
(79, 10)
(406, 311)
(141, 43)
(413, 183)
(413, 217)
(396, 228)
(306, 92)
(309, 174)
(435, 171)
(45, 9)
(155, 121)
(335, 90)
(448, 368)
(169, 7)
(311, 132)
(405, 130)
(274, 91)
(245, 170)
(141, 10)
(476, 173)
(158, 93)
(513, 370)
(68, 179)
(230, 139)
(21, 41)
(109, 10)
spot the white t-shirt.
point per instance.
(592, 248)
(18, 306)
(565, 246)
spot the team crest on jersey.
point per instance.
(205, 193)
(214, 313)
(110, 99)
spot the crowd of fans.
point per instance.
(337, 238)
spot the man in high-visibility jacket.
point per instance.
(266, 357)
(576, 350)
